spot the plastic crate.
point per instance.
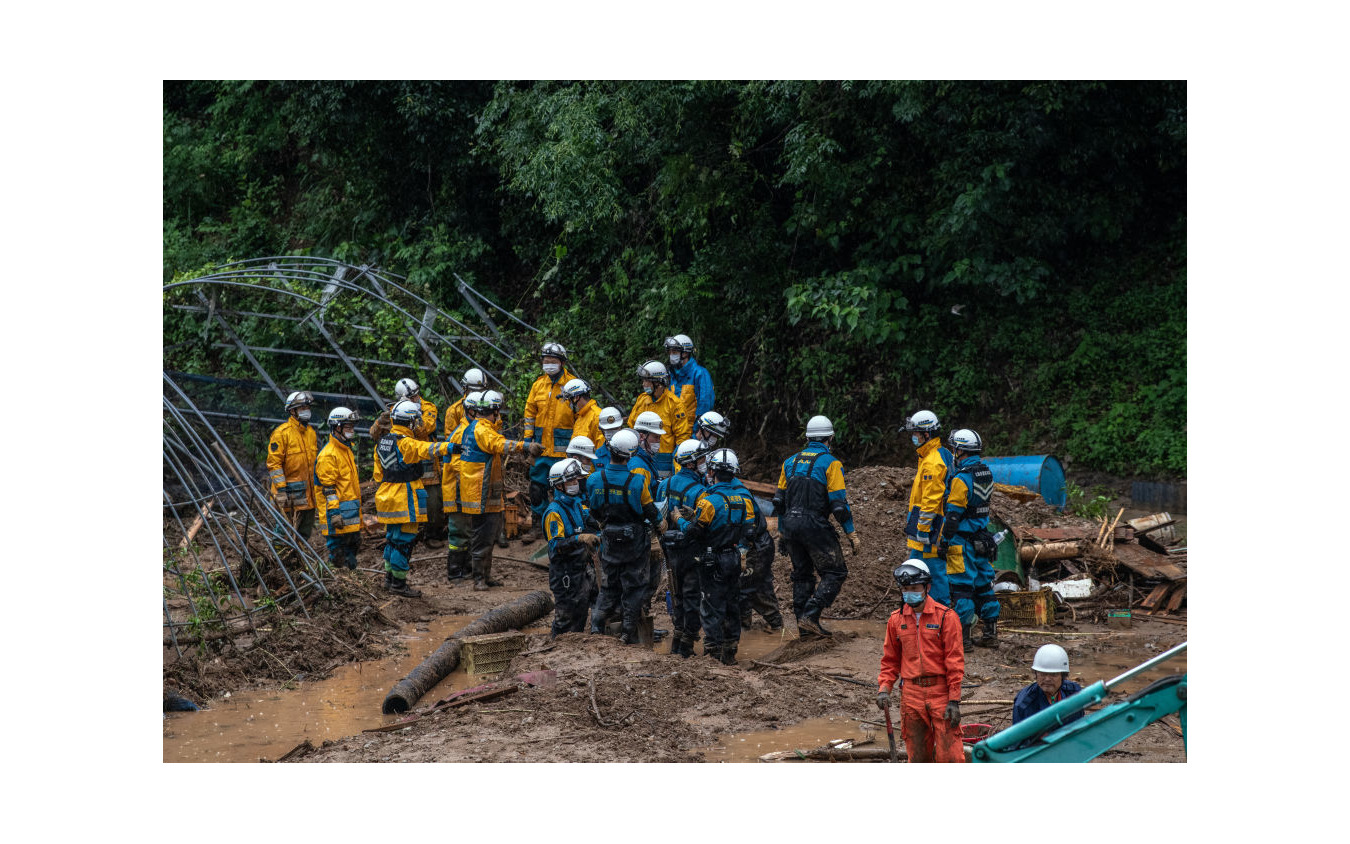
(490, 653)
(1027, 609)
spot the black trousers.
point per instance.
(570, 579)
(624, 561)
(720, 607)
(485, 526)
(814, 549)
(757, 586)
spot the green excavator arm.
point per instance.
(1055, 739)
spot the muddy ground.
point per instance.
(648, 705)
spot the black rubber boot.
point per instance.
(809, 624)
(990, 633)
(729, 654)
(676, 643)
(965, 636)
(401, 587)
(388, 579)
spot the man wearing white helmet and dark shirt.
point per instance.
(810, 490)
(1050, 668)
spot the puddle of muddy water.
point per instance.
(254, 724)
(1107, 666)
(804, 735)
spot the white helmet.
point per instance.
(688, 450)
(654, 370)
(574, 388)
(965, 440)
(648, 422)
(406, 412)
(341, 416)
(490, 400)
(924, 420)
(624, 444)
(716, 423)
(405, 388)
(582, 447)
(819, 426)
(299, 398)
(610, 419)
(555, 350)
(685, 343)
(567, 469)
(1050, 659)
(474, 379)
(723, 460)
(472, 400)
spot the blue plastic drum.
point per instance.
(1041, 473)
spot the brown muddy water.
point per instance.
(250, 725)
(804, 735)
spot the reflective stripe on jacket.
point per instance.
(547, 420)
(674, 422)
(406, 502)
(291, 452)
(450, 468)
(924, 521)
(930, 647)
(968, 492)
(336, 471)
(482, 449)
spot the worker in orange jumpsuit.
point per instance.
(923, 649)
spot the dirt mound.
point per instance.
(610, 703)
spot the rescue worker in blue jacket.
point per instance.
(965, 535)
(923, 527)
(756, 585)
(689, 380)
(682, 490)
(569, 548)
(648, 428)
(622, 504)
(716, 526)
(1050, 668)
(810, 490)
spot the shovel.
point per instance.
(890, 734)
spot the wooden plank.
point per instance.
(1155, 596)
(1178, 595)
(1142, 561)
(760, 488)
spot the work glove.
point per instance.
(534, 449)
(953, 714)
(335, 520)
(590, 540)
(855, 542)
(883, 700)
(279, 499)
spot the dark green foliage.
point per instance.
(812, 237)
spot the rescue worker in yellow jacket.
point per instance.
(585, 412)
(339, 499)
(481, 492)
(473, 382)
(923, 526)
(291, 453)
(549, 423)
(658, 398)
(401, 500)
(425, 430)
(459, 522)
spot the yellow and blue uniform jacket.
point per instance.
(291, 452)
(617, 495)
(564, 522)
(811, 483)
(644, 463)
(966, 512)
(694, 386)
(431, 469)
(674, 421)
(454, 417)
(481, 449)
(723, 516)
(587, 423)
(339, 488)
(924, 522)
(682, 488)
(401, 498)
(547, 420)
(450, 468)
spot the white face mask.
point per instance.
(551, 368)
(654, 447)
(573, 488)
(302, 415)
(675, 359)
